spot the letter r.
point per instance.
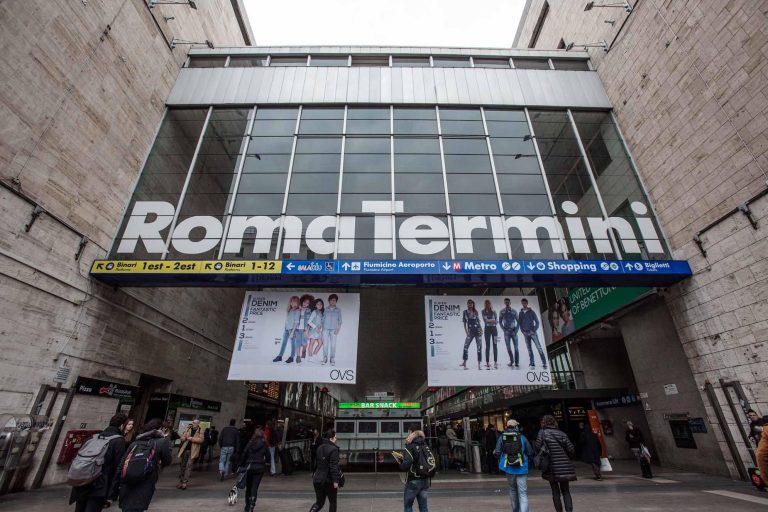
(137, 226)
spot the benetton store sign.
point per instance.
(379, 405)
(591, 304)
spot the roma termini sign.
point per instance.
(419, 234)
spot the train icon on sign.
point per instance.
(506, 266)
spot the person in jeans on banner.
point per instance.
(529, 324)
(514, 452)
(509, 326)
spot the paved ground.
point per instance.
(621, 490)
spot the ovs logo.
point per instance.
(343, 375)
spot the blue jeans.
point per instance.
(512, 336)
(286, 335)
(473, 336)
(444, 462)
(329, 338)
(518, 492)
(298, 342)
(533, 337)
(416, 490)
(224, 456)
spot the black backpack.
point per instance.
(512, 447)
(424, 464)
(139, 463)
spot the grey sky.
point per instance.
(475, 23)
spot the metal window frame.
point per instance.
(496, 183)
(279, 245)
(583, 151)
(543, 172)
(448, 214)
(183, 195)
(238, 175)
(393, 218)
(341, 180)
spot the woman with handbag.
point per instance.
(328, 477)
(255, 456)
(553, 456)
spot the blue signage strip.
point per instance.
(328, 273)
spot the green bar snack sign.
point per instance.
(591, 304)
(379, 405)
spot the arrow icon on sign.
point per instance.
(530, 266)
(290, 266)
(628, 266)
(446, 266)
(345, 266)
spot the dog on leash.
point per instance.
(232, 498)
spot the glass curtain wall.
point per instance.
(384, 182)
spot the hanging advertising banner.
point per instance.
(479, 341)
(297, 337)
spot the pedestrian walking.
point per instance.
(762, 456)
(228, 441)
(636, 440)
(490, 440)
(97, 462)
(204, 447)
(189, 451)
(328, 477)
(590, 449)
(129, 431)
(317, 440)
(134, 486)
(270, 435)
(213, 441)
(444, 450)
(254, 462)
(419, 465)
(515, 452)
(559, 470)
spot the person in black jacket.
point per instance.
(561, 470)
(590, 449)
(327, 476)
(636, 440)
(93, 497)
(137, 496)
(489, 440)
(254, 459)
(415, 486)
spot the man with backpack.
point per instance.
(93, 468)
(420, 466)
(514, 451)
(140, 468)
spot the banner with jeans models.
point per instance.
(297, 337)
(479, 341)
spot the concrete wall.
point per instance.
(687, 82)
(84, 86)
(658, 360)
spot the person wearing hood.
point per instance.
(415, 487)
(255, 460)
(93, 497)
(136, 496)
(327, 477)
(560, 470)
(514, 451)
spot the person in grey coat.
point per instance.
(560, 471)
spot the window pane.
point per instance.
(263, 183)
(288, 61)
(407, 183)
(462, 127)
(373, 61)
(356, 183)
(508, 129)
(525, 164)
(367, 113)
(266, 163)
(450, 62)
(410, 62)
(491, 63)
(248, 62)
(367, 145)
(494, 114)
(311, 204)
(318, 145)
(531, 63)
(367, 126)
(259, 204)
(570, 64)
(328, 61)
(207, 62)
(471, 183)
(467, 163)
(274, 127)
(417, 145)
(531, 205)
(521, 184)
(473, 204)
(465, 146)
(317, 162)
(315, 182)
(322, 113)
(418, 163)
(366, 162)
(415, 113)
(508, 146)
(270, 145)
(277, 113)
(352, 203)
(460, 114)
(321, 126)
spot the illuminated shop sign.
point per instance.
(419, 234)
(379, 405)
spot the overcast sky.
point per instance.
(463, 23)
